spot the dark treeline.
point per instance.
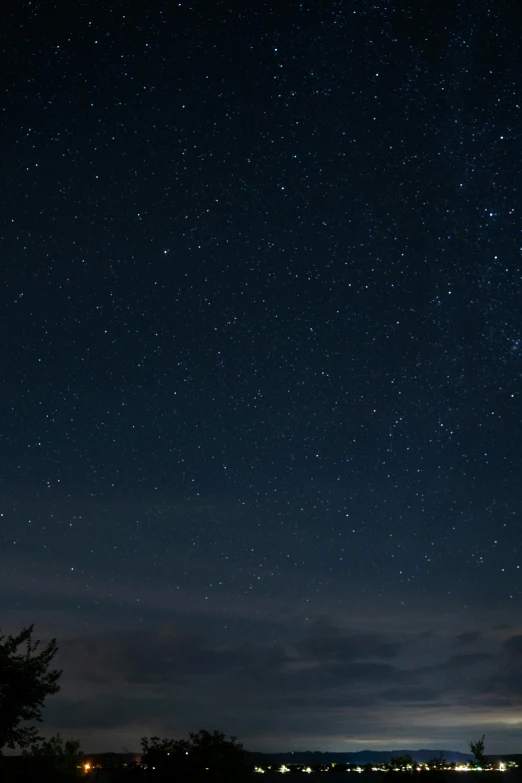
(204, 756)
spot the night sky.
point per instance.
(261, 368)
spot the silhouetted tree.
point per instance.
(205, 755)
(166, 757)
(54, 760)
(402, 762)
(25, 682)
(477, 748)
(438, 764)
(213, 753)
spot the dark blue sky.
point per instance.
(261, 414)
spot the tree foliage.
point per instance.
(54, 759)
(477, 748)
(49, 761)
(208, 755)
(438, 764)
(65, 753)
(402, 763)
(25, 681)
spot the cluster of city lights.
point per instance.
(500, 767)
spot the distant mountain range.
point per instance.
(309, 757)
(357, 757)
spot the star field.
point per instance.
(262, 358)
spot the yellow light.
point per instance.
(87, 767)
